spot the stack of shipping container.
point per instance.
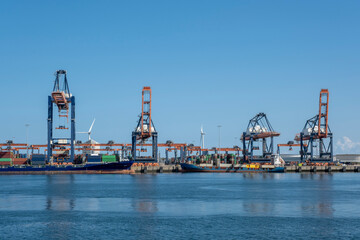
(38, 159)
(5, 158)
(19, 159)
(108, 158)
(94, 159)
(102, 158)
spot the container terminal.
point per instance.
(256, 153)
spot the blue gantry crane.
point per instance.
(65, 102)
(258, 129)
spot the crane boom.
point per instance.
(323, 113)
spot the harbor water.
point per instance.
(181, 206)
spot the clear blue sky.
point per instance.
(208, 62)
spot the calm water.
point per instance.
(180, 206)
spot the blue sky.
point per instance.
(207, 62)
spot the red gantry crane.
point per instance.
(145, 130)
(316, 132)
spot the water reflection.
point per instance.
(145, 206)
(144, 203)
(249, 175)
(60, 197)
(60, 192)
(262, 175)
(259, 208)
(145, 192)
(317, 175)
(320, 202)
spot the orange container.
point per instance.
(19, 161)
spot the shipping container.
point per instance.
(94, 159)
(38, 159)
(109, 161)
(108, 158)
(5, 154)
(19, 161)
(37, 162)
(5, 159)
(5, 163)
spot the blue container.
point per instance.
(38, 156)
(37, 162)
(38, 159)
(94, 159)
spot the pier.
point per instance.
(172, 168)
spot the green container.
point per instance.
(108, 158)
(109, 161)
(5, 159)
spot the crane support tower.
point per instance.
(258, 129)
(65, 102)
(316, 132)
(145, 130)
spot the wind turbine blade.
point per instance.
(81, 132)
(91, 126)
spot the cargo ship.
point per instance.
(116, 167)
(37, 164)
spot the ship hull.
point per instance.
(117, 167)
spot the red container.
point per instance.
(19, 161)
(5, 154)
(5, 163)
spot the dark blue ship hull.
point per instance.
(76, 168)
(195, 168)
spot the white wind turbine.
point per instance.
(89, 132)
(202, 137)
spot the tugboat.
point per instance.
(276, 166)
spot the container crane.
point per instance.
(317, 130)
(65, 102)
(145, 130)
(259, 128)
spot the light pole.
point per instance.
(219, 126)
(27, 145)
